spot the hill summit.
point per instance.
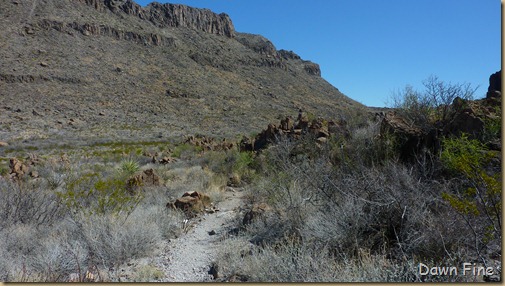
(108, 70)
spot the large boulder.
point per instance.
(465, 122)
(191, 203)
(494, 89)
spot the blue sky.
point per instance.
(369, 49)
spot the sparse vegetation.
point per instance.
(348, 209)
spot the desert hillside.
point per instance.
(88, 71)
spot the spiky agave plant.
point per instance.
(128, 167)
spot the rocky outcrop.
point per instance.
(209, 143)
(288, 55)
(257, 43)
(465, 121)
(106, 31)
(494, 89)
(170, 15)
(27, 78)
(174, 15)
(312, 68)
(319, 129)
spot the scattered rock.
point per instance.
(209, 143)
(44, 64)
(166, 160)
(34, 174)
(3, 144)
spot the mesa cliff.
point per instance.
(82, 71)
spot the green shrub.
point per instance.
(91, 193)
(186, 149)
(478, 198)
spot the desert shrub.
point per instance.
(58, 257)
(42, 254)
(19, 204)
(115, 239)
(148, 273)
(385, 209)
(231, 162)
(433, 103)
(93, 193)
(185, 150)
(293, 261)
(366, 147)
(492, 126)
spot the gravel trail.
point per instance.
(189, 257)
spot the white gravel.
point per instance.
(189, 257)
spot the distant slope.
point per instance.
(94, 70)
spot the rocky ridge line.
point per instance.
(102, 30)
(170, 15)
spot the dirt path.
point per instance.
(189, 257)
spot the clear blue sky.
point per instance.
(370, 48)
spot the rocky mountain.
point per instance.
(76, 71)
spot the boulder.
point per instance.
(18, 168)
(191, 203)
(147, 178)
(3, 144)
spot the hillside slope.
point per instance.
(103, 70)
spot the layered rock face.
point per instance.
(82, 70)
(171, 15)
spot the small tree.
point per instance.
(434, 103)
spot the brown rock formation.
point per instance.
(146, 178)
(494, 89)
(191, 203)
(18, 169)
(318, 128)
(170, 15)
